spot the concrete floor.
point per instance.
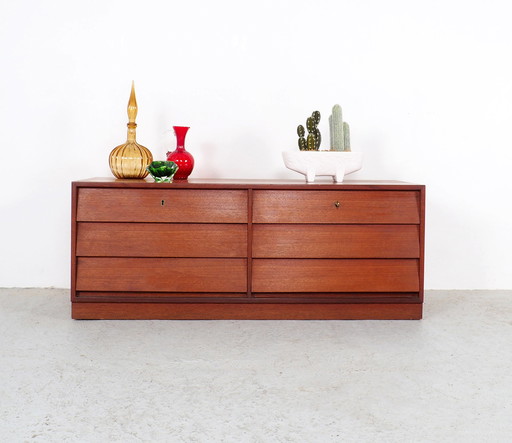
(446, 378)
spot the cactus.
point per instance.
(346, 136)
(318, 139)
(314, 138)
(316, 117)
(336, 129)
(339, 131)
(331, 132)
(316, 132)
(302, 140)
(311, 142)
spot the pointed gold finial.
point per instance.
(132, 105)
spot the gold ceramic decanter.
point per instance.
(130, 159)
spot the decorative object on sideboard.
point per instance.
(323, 163)
(336, 162)
(162, 171)
(181, 156)
(314, 138)
(130, 159)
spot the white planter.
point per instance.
(318, 163)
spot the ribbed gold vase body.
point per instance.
(130, 159)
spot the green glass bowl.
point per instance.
(162, 171)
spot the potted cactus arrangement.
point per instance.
(312, 161)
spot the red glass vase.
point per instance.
(180, 156)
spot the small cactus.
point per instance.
(316, 117)
(318, 138)
(311, 142)
(316, 132)
(310, 124)
(314, 138)
(302, 141)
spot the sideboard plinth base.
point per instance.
(247, 311)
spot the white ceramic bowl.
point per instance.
(336, 164)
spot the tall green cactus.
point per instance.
(336, 124)
(339, 130)
(314, 138)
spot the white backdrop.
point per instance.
(426, 87)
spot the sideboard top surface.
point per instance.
(246, 183)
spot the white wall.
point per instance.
(426, 87)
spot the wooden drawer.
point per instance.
(335, 241)
(161, 240)
(162, 205)
(335, 275)
(161, 274)
(291, 206)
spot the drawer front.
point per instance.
(165, 205)
(335, 241)
(161, 240)
(161, 274)
(336, 275)
(401, 207)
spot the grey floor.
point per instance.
(446, 378)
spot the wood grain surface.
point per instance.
(335, 241)
(161, 240)
(165, 205)
(329, 275)
(336, 207)
(237, 311)
(162, 274)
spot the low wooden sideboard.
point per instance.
(235, 249)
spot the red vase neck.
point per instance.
(180, 132)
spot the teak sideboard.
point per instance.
(234, 249)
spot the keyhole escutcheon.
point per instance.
(162, 202)
(337, 204)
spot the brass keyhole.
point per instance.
(162, 202)
(337, 204)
